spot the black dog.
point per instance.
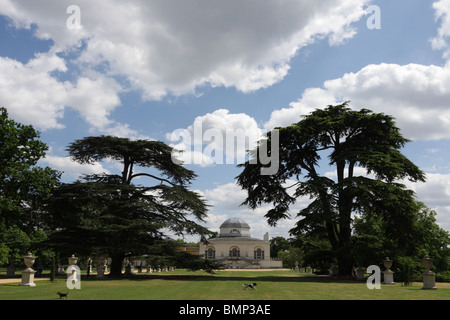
(62, 295)
(251, 286)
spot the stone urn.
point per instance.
(387, 263)
(427, 263)
(73, 260)
(29, 261)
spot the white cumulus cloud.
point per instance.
(164, 47)
(416, 95)
(442, 8)
(219, 137)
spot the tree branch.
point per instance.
(151, 176)
(130, 174)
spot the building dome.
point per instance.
(235, 223)
(235, 227)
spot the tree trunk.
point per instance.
(344, 250)
(345, 263)
(116, 265)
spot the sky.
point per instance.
(189, 72)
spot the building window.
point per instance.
(234, 252)
(235, 232)
(259, 254)
(210, 253)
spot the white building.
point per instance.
(236, 249)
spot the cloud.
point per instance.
(71, 169)
(416, 95)
(34, 96)
(30, 94)
(164, 47)
(442, 8)
(434, 193)
(219, 137)
(311, 99)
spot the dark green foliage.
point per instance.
(407, 270)
(52, 268)
(24, 187)
(120, 218)
(291, 256)
(278, 244)
(109, 214)
(375, 241)
(132, 153)
(351, 140)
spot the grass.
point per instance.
(224, 285)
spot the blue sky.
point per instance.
(144, 69)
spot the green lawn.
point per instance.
(224, 285)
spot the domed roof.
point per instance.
(235, 223)
(235, 227)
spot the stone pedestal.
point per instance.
(28, 278)
(388, 277)
(388, 273)
(28, 273)
(429, 282)
(429, 277)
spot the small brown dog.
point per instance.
(62, 295)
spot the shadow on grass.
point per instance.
(220, 278)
